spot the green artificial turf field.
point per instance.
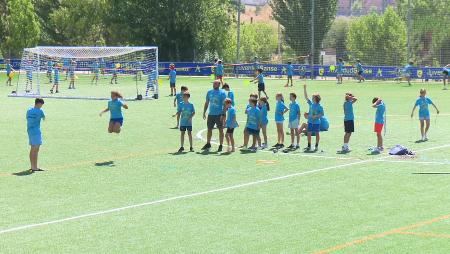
(132, 193)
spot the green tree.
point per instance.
(183, 29)
(20, 27)
(78, 22)
(429, 29)
(257, 39)
(43, 9)
(295, 18)
(378, 39)
(336, 37)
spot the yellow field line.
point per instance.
(381, 235)
(426, 234)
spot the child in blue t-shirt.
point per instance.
(219, 71)
(380, 119)
(446, 75)
(172, 79)
(407, 72)
(265, 108)
(187, 112)
(314, 115)
(424, 113)
(280, 110)
(359, 71)
(290, 74)
(177, 104)
(34, 117)
(10, 72)
(260, 81)
(115, 106)
(230, 124)
(349, 117)
(246, 134)
(253, 124)
(230, 93)
(55, 86)
(294, 121)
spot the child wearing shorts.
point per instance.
(187, 112)
(294, 121)
(424, 113)
(379, 123)
(230, 124)
(280, 110)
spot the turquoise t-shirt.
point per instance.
(348, 111)
(290, 70)
(216, 99)
(422, 103)
(253, 118)
(264, 115)
(230, 95)
(34, 117)
(279, 109)
(314, 110)
(187, 109)
(379, 115)
(115, 108)
(231, 118)
(294, 110)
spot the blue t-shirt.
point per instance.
(290, 70)
(179, 99)
(95, 67)
(260, 78)
(294, 111)
(49, 66)
(219, 70)
(34, 116)
(422, 103)
(314, 110)
(173, 76)
(379, 115)
(56, 70)
(230, 95)
(231, 118)
(407, 69)
(253, 118)
(340, 68)
(279, 109)
(187, 109)
(66, 62)
(359, 67)
(216, 99)
(348, 111)
(8, 68)
(264, 115)
(115, 108)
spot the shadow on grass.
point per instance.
(206, 152)
(105, 164)
(420, 141)
(343, 152)
(178, 153)
(24, 173)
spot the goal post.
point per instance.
(88, 72)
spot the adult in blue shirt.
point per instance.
(290, 74)
(34, 117)
(215, 102)
(424, 113)
(340, 70)
(359, 71)
(115, 106)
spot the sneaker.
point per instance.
(206, 147)
(375, 150)
(425, 139)
(276, 145)
(191, 149)
(263, 146)
(290, 147)
(316, 149)
(307, 149)
(297, 147)
(51, 91)
(220, 149)
(181, 149)
(252, 148)
(280, 146)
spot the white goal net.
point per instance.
(88, 72)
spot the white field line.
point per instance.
(196, 194)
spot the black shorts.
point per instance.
(185, 128)
(349, 126)
(360, 72)
(230, 130)
(172, 84)
(261, 87)
(214, 121)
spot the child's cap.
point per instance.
(39, 101)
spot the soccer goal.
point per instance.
(88, 72)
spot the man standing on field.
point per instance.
(215, 101)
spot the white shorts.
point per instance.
(293, 124)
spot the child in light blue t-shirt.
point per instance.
(115, 106)
(280, 110)
(424, 113)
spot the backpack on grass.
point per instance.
(400, 150)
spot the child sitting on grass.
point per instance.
(424, 113)
(187, 112)
(379, 123)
